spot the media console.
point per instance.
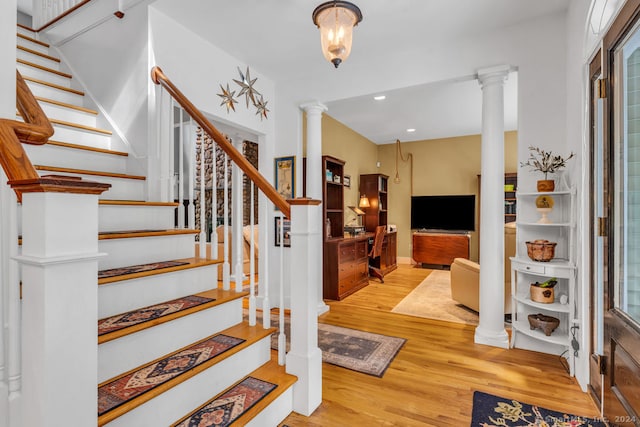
(439, 248)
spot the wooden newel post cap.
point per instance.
(58, 184)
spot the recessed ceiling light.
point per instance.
(379, 97)
(411, 130)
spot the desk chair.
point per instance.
(376, 251)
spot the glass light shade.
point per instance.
(336, 20)
(364, 202)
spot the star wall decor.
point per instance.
(228, 99)
(261, 107)
(246, 85)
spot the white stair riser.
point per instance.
(36, 73)
(45, 91)
(81, 136)
(37, 59)
(132, 217)
(66, 114)
(31, 45)
(54, 155)
(180, 400)
(26, 32)
(153, 343)
(276, 412)
(144, 250)
(127, 295)
(121, 188)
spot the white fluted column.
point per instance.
(314, 173)
(490, 330)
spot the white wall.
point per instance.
(8, 51)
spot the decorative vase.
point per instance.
(541, 250)
(542, 295)
(544, 219)
(546, 185)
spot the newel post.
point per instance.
(305, 358)
(59, 263)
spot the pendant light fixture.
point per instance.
(336, 20)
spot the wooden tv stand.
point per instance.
(439, 248)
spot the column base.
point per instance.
(491, 337)
(307, 392)
(323, 308)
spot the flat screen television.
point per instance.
(445, 213)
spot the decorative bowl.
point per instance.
(542, 295)
(548, 324)
(541, 250)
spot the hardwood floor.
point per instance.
(432, 379)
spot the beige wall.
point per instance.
(440, 166)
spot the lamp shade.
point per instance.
(364, 202)
(336, 20)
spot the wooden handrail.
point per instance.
(160, 78)
(36, 129)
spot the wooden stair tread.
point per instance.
(137, 203)
(31, 39)
(79, 126)
(270, 372)
(143, 233)
(66, 105)
(88, 172)
(191, 263)
(55, 86)
(35, 52)
(43, 68)
(250, 334)
(216, 297)
(87, 148)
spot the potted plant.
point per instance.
(543, 292)
(545, 162)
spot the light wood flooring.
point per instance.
(432, 379)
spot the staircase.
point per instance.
(173, 348)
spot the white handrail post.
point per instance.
(60, 264)
(305, 358)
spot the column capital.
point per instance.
(497, 74)
(314, 107)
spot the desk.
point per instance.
(345, 265)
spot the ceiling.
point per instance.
(278, 39)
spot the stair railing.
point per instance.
(304, 359)
(48, 12)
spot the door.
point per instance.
(621, 191)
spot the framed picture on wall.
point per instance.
(285, 176)
(286, 232)
(347, 181)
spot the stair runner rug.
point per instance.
(116, 392)
(494, 411)
(145, 314)
(229, 406)
(113, 272)
(360, 351)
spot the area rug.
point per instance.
(230, 405)
(103, 274)
(119, 391)
(431, 299)
(146, 314)
(360, 351)
(494, 411)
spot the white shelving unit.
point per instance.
(525, 271)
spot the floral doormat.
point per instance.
(229, 406)
(121, 271)
(494, 411)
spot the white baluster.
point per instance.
(282, 338)
(252, 262)
(203, 223)
(181, 171)
(226, 266)
(214, 202)
(264, 257)
(192, 165)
